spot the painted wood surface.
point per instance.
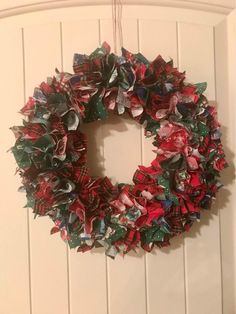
(15, 7)
(39, 274)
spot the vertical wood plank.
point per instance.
(231, 25)
(165, 267)
(126, 280)
(225, 50)
(87, 271)
(196, 51)
(48, 253)
(196, 54)
(14, 262)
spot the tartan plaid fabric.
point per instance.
(166, 196)
(66, 171)
(188, 225)
(191, 208)
(81, 174)
(84, 81)
(81, 66)
(41, 207)
(176, 224)
(188, 189)
(141, 177)
(175, 220)
(203, 147)
(159, 64)
(148, 247)
(46, 88)
(33, 131)
(175, 211)
(81, 89)
(88, 68)
(60, 83)
(106, 187)
(132, 238)
(76, 104)
(93, 200)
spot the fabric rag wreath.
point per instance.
(165, 197)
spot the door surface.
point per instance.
(39, 275)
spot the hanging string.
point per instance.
(120, 22)
(116, 23)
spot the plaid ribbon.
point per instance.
(88, 66)
(176, 224)
(158, 65)
(106, 187)
(175, 211)
(85, 81)
(84, 67)
(81, 174)
(175, 220)
(188, 189)
(92, 200)
(41, 207)
(60, 82)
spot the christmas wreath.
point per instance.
(165, 197)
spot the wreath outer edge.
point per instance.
(166, 197)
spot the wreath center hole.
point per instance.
(114, 147)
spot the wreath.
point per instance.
(165, 198)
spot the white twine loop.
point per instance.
(116, 23)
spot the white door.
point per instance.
(39, 275)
